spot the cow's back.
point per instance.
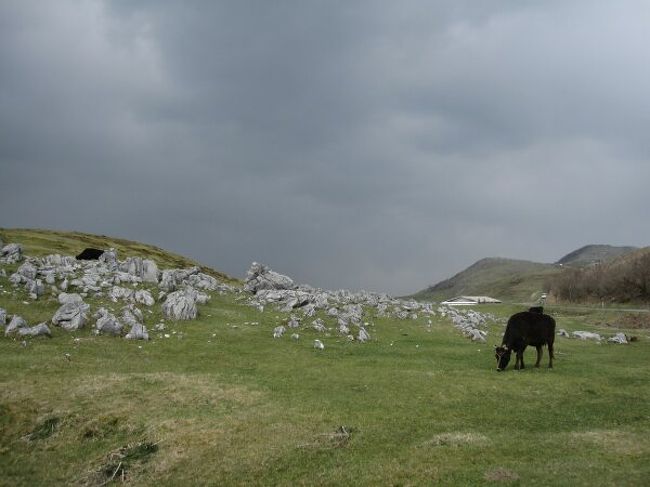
(529, 328)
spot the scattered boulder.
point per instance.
(618, 338)
(143, 296)
(180, 305)
(563, 333)
(11, 254)
(3, 317)
(319, 325)
(318, 345)
(261, 277)
(39, 330)
(15, 324)
(363, 335)
(586, 335)
(74, 298)
(107, 323)
(278, 331)
(138, 332)
(71, 316)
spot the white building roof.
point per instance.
(470, 300)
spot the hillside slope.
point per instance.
(504, 279)
(39, 242)
(590, 254)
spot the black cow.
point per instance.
(90, 254)
(526, 328)
(536, 309)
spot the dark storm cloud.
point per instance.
(380, 145)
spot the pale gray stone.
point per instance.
(261, 277)
(107, 323)
(65, 298)
(3, 317)
(318, 345)
(278, 331)
(586, 335)
(138, 332)
(143, 296)
(71, 316)
(150, 271)
(618, 338)
(39, 330)
(11, 253)
(179, 306)
(318, 325)
(15, 323)
(363, 336)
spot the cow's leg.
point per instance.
(539, 355)
(519, 362)
(550, 355)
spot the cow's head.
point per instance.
(502, 355)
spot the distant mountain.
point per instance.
(504, 279)
(591, 254)
(517, 280)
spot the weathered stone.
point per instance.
(318, 345)
(293, 322)
(138, 332)
(109, 257)
(39, 330)
(143, 296)
(563, 333)
(179, 306)
(71, 316)
(318, 325)
(278, 331)
(120, 293)
(3, 317)
(11, 253)
(107, 323)
(618, 338)
(15, 323)
(150, 271)
(586, 335)
(65, 298)
(261, 277)
(363, 335)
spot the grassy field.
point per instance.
(220, 402)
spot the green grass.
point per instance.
(226, 404)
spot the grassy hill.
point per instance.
(37, 243)
(514, 280)
(505, 279)
(219, 401)
(590, 254)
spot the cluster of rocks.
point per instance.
(619, 338)
(18, 326)
(70, 281)
(471, 323)
(348, 312)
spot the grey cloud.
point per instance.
(380, 145)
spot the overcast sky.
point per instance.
(380, 145)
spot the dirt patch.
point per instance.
(631, 321)
(501, 474)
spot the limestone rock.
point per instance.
(278, 331)
(39, 330)
(150, 271)
(179, 306)
(3, 317)
(261, 277)
(71, 316)
(107, 323)
(618, 338)
(11, 253)
(138, 332)
(15, 324)
(363, 335)
(74, 298)
(318, 325)
(143, 296)
(318, 345)
(586, 335)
